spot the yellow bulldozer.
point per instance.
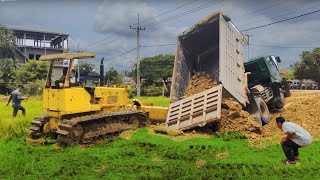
(79, 115)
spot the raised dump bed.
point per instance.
(213, 45)
(196, 110)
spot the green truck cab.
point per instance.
(264, 77)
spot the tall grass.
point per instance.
(19, 125)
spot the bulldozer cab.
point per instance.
(60, 75)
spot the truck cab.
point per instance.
(264, 71)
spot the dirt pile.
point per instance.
(199, 82)
(233, 117)
(302, 108)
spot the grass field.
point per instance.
(10, 126)
(144, 155)
(149, 156)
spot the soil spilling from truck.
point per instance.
(199, 82)
(233, 118)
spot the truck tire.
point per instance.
(280, 103)
(286, 87)
(263, 113)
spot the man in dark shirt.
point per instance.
(16, 98)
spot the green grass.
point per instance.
(10, 126)
(145, 155)
(157, 101)
(148, 156)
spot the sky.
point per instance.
(103, 26)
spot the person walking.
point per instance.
(296, 138)
(16, 98)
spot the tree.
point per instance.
(157, 68)
(288, 75)
(7, 43)
(86, 68)
(7, 70)
(113, 77)
(309, 65)
(31, 71)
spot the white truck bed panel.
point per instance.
(231, 69)
(196, 110)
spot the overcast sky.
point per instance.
(102, 27)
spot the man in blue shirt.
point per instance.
(296, 137)
(16, 98)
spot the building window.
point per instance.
(38, 56)
(31, 56)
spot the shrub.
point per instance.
(132, 93)
(34, 88)
(152, 91)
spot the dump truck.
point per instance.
(82, 115)
(214, 45)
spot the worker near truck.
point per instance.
(16, 98)
(296, 138)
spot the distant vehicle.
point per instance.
(294, 83)
(309, 84)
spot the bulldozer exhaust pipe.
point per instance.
(102, 72)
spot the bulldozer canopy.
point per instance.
(67, 56)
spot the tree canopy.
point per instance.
(288, 75)
(31, 71)
(113, 77)
(309, 65)
(86, 68)
(7, 70)
(7, 43)
(157, 68)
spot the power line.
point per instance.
(109, 42)
(260, 9)
(185, 13)
(274, 46)
(167, 12)
(122, 54)
(280, 21)
(124, 29)
(278, 16)
(161, 21)
(157, 45)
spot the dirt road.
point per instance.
(302, 108)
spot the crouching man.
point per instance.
(296, 138)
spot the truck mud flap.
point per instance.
(196, 110)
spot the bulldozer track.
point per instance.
(37, 126)
(90, 129)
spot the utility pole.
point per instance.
(138, 29)
(78, 51)
(248, 43)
